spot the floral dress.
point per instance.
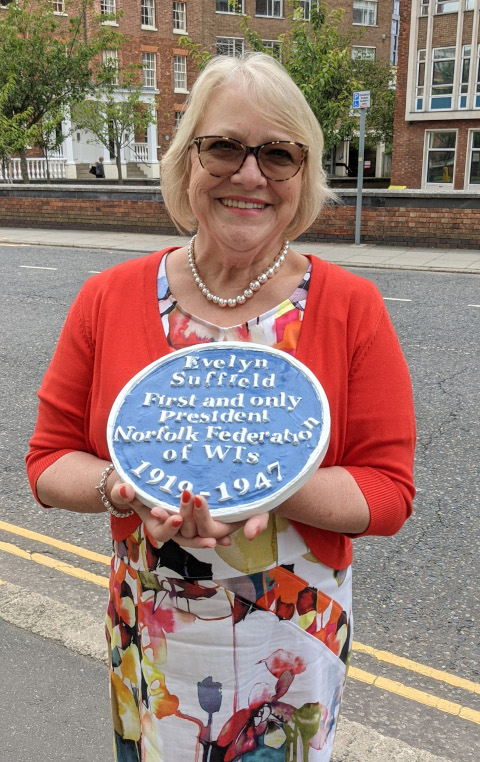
(230, 654)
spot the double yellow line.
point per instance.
(428, 699)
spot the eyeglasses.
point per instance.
(278, 160)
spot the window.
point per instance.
(230, 46)
(268, 8)
(110, 63)
(5, 3)
(148, 13)
(448, 6)
(394, 42)
(179, 17)
(275, 46)
(420, 91)
(443, 71)
(178, 118)
(58, 6)
(365, 12)
(363, 53)
(307, 6)
(424, 7)
(107, 6)
(469, 5)
(465, 74)
(224, 6)
(474, 159)
(180, 74)
(440, 157)
(476, 103)
(149, 65)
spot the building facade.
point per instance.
(437, 116)
(153, 29)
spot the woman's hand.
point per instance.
(192, 527)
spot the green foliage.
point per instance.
(47, 59)
(318, 58)
(14, 133)
(117, 112)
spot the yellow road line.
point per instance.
(384, 656)
(59, 544)
(420, 669)
(421, 697)
(52, 563)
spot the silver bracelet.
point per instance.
(108, 505)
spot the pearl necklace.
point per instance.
(255, 285)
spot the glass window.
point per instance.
(307, 6)
(58, 6)
(110, 63)
(149, 65)
(107, 6)
(268, 8)
(275, 46)
(179, 17)
(469, 5)
(365, 12)
(441, 157)
(225, 6)
(476, 102)
(447, 6)
(394, 43)
(424, 7)
(420, 92)
(474, 159)
(180, 74)
(443, 71)
(465, 74)
(230, 46)
(178, 118)
(148, 13)
(363, 53)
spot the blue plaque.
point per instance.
(242, 424)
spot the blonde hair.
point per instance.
(275, 97)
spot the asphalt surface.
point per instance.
(416, 594)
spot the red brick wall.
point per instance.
(385, 219)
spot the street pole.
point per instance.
(361, 149)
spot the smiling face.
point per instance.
(246, 211)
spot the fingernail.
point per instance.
(197, 501)
(177, 522)
(123, 491)
(186, 496)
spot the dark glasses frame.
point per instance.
(248, 150)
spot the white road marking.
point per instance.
(473, 305)
(394, 299)
(37, 267)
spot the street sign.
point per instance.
(361, 99)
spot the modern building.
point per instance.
(437, 120)
(154, 29)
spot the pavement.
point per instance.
(346, 254)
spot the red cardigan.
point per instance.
(114, 329)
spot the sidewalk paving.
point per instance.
(346, 254)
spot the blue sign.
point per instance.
(242, 424)
(356, 100)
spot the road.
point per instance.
(416, 595)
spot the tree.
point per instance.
(14, 135)
(48, 59)
(318, 58)
(118, 111)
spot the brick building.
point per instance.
(153, 29)
(437, 114)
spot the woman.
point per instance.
(231, 640)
